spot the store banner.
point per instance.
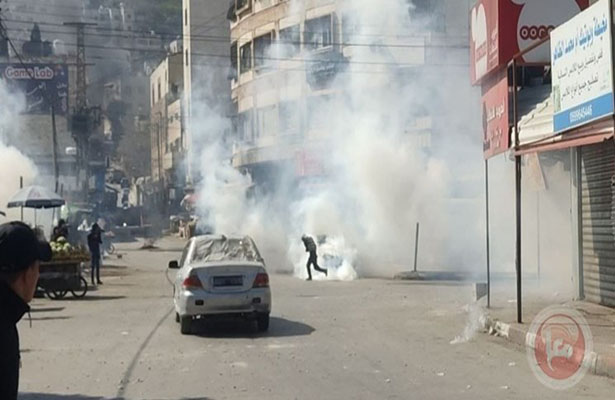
(502, 28)
(582, 68)
(496, 124)
(41, 84)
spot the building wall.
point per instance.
(166, 85)
(273, 104)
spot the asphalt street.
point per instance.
(366, 339)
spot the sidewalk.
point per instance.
(501, 321)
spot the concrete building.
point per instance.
(277, 94)
(206, 68)
(166, 127)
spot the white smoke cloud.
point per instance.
(379, 183)
(13, 163)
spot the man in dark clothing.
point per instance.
(310, 247)
(20, 253)
(94, 242)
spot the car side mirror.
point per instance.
(173, 265)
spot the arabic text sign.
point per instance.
(40, 84)
(582, 70)
(496, 138)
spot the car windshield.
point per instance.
(225, 249)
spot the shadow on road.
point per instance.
(48, 318)
(45, 309)
(278, 327)
(47, 396)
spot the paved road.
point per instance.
(367, 339)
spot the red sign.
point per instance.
(496, 135)
(502, 28)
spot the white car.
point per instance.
(221, 276)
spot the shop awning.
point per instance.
(594, 133)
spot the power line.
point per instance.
(163, 33)
(223, 39)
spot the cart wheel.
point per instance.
(55, 294)
(83, 289)
(111, 249)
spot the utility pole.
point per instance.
(80, 122)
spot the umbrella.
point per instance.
(36, 197)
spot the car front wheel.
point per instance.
(185, 323)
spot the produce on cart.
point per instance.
(63, 273)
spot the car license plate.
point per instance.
(224, 281)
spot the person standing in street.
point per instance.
(310, 247)
(20, 255)
(94, 242)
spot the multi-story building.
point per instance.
(167, 148)
(284, 59)
(205, 36)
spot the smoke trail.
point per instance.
(13, 163)
(377, 182)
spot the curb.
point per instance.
(600, 365)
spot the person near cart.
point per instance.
(20, 255)
(60, 230)
(94, 242)
(310, 247)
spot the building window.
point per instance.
(242, 5)
(350, 28)
(290, 117)
(153, 95)
(244, 126)
(159, 89)
(318, 32)
(187, 57)
(185, 17)
(266, 121)
(245, 58)
(262, 44)
(234, 59)
(290, 40)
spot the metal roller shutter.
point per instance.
(597, 170)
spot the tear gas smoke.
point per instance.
(13, 163)
(378, 180)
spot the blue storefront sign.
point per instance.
(582, 68)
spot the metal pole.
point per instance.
(487, 233)
(518, 235)
(517, 194)
(54, 136)
(416, 246)
(538, 234)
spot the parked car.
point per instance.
(221, 276)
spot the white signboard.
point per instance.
(582, 68)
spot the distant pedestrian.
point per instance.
(20, 254)
(310, 247)
(94, 242)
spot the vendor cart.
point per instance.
(58, 277)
